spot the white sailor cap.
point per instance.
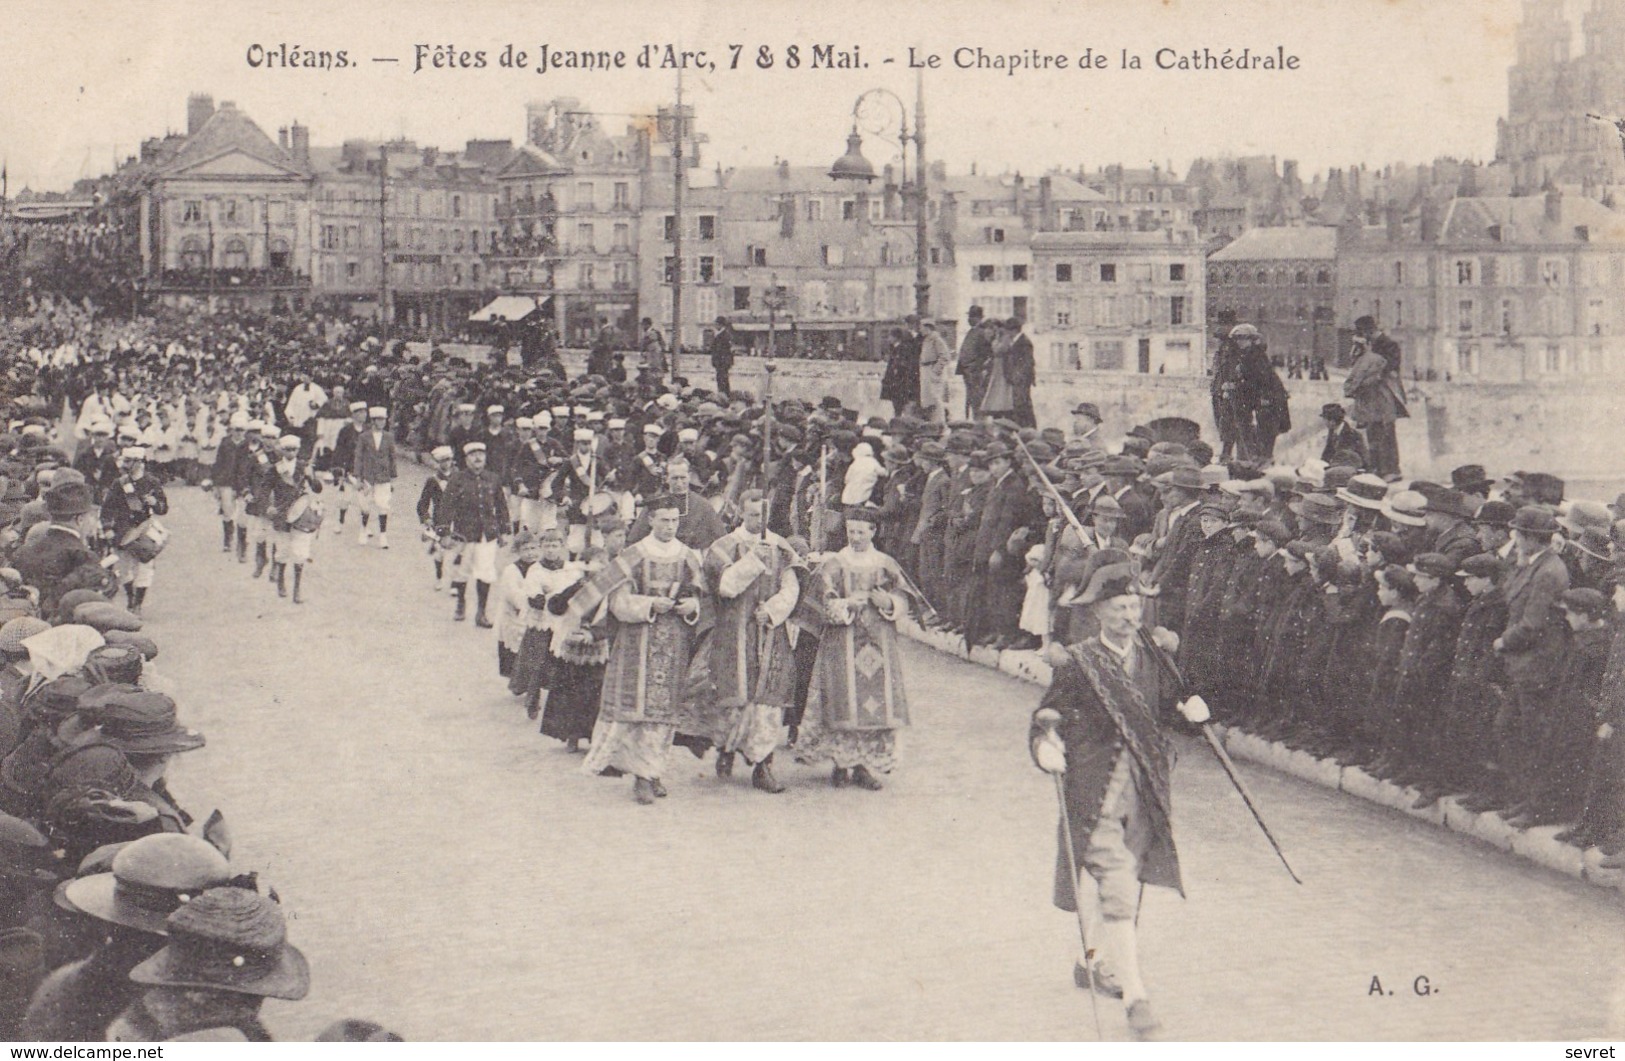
(378, 412)
(494, 410)
(561, 410)
(584, 434)
(356, 407)
(653, 429)
(441, 453)
(524, 421)
(542, 419)
(256, 426)
(668, 401)
(270, 431)
(688, 434)
(289, 442)
(133, 453)
(617, 424)
(474, 447)
(101, 427)
(580, 410)
(594, 417)
(238, 419)
(465, 407)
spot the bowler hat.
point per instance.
(228, 939)
(1470, 477)
(1450, 503)
(1089, 409)
(1333, 412)
(1495, 514)
(1121, 465)
(1535, 519)
(66, 500)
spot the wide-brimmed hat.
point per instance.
(1180, 478)
(138, 722)
(1586, 515)
(1535, 519)
(151, 878)
(228, 939)
(1407, 507)
(1318, 508)
(1363, 491)
(1108, 506)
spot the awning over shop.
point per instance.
(506, 308)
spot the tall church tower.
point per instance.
(1545, 124)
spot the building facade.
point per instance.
(994, 219)
(1120, 301)
(225, 219)
(1498, 289)
(1284, 282)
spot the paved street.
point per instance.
(451, 874)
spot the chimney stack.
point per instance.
(1019, 186)
(1046, 205)
(300, 137)
(199, 109)
(1395, 218)
(1430, 221)
(282, 138)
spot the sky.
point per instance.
(1377, 81)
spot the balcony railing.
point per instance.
(223, 279)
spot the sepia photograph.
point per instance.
(721, 522)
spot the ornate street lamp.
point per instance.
(853, 166)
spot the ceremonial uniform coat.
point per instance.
(1105, 713)
(474, 507)
(128, 504)
(647, 675)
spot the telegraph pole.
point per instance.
(677, 231)
(383, 243)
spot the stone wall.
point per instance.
(1573, 429)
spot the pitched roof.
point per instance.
(229, 130)
(1523, 220)
(1280, 244)
(530, 159)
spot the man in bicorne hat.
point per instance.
(1114, 696)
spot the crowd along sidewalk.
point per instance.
(1536, 845)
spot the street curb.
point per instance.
(1534, 845)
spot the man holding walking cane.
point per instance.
(1102, 729)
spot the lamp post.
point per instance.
(774, 300)
(853, 166)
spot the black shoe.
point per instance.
(612, 771)
(660, 790)
(839, 777)
(462, 610)
(643, 791)
(762, 778)
(533, 708)
(862, 778)
(481, 621)
(725, 764)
